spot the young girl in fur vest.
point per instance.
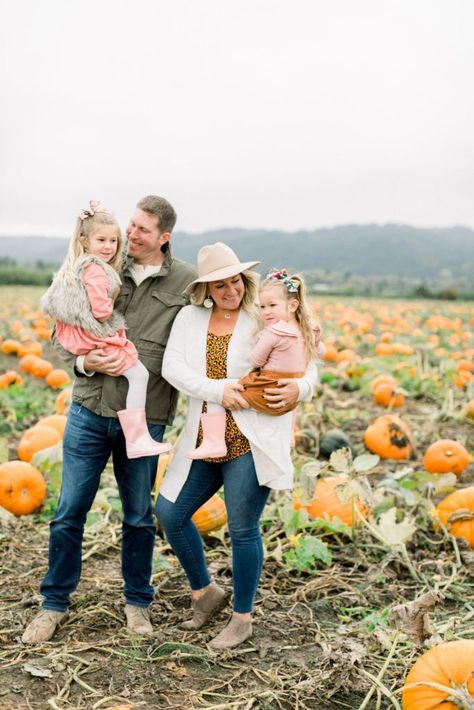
(286, 345)
(81, 300)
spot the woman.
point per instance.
(207, 352)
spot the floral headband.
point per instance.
(282, 276)
(93, 208)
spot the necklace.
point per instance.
(227, 316)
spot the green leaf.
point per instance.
(309, 550)
(334, 526)
(365, 462)
(392, 532)
(341, 460)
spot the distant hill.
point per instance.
(360, 250)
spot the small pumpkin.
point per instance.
(10, 378)
(387, 395)
(41, 368)
(210, 516)
(56, 421)
(30, 347)
(57, 378)
(164, 461)
(446, 456)
(36, 439)
(389, 437)
(384, 349)
(333, 440)
(27, 362)
(22, 487)
(456, 513)
(449, 664)
(63, 401)
(327, 504)
(382, 379)
(402, 349)
(10, 346)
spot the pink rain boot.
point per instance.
(137, 437)
(213, 437)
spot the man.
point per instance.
(151, 295)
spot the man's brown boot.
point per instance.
(213, 600)
(138, 620)
(43, 626)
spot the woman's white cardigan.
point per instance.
(184, 366)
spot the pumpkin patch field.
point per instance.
(367, 595)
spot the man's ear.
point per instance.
(165, 237)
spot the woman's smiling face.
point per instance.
(227, 294)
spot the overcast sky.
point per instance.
(289, 114)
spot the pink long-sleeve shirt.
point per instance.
(79, 341)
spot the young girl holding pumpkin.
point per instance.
(81, 300)
(288, 342)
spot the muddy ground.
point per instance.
(321, 640)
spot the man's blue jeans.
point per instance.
(89, 440)
(245, 500)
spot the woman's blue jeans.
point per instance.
(89, 439)
(245, 500)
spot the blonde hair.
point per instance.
(78, 246)
(303, 313)
(249, 300)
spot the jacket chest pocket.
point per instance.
(123, 299)
(164, 308)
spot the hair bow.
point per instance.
(93, 208)
(282, 275)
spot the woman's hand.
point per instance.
(286, 392)
(231, 398)
(96, 361)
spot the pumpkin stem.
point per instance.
(461, 514)
(459, 696)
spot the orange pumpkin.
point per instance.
(384, 349)
(56, 421)
(22, 487)
(164, 461)
(10, 378)
(446, 456)
(389, 437)
(41, 368)
(10, 347)
(57, 378)
(382, 379)
(449, 664)
(326, 503)
(36, 439)
(27, 362)
(386, 395)
(331, 354)
(402, 349)
(30, 347)
(210, 516)
(456, 513)
(63, 401)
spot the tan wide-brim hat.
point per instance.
(216, 262)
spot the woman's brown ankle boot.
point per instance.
(213, 600)
(235, 633)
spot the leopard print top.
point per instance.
(216, 369)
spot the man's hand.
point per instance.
(286, 392)
(96, 361)
(231, 398)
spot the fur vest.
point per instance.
(69, 303)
